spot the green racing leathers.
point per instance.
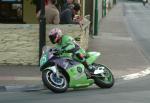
(67, 44)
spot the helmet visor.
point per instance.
(53, 38)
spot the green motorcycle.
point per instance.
(60, 71)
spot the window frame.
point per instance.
(14, 2)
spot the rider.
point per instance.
(68, 45)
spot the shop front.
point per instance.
(24, 11)
(11, 11)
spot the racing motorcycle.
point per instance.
(60, 71)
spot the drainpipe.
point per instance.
(104, 8)
(42, 29)
(96, 23)
(114, 2)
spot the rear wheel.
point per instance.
(53, 82)
(105, 79)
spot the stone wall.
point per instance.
(19, 43)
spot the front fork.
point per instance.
(54, 70)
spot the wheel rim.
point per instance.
(56, 82)
(106, 76)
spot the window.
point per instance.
(11, 11)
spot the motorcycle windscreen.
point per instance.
(92, 56)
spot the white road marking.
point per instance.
(137, 75)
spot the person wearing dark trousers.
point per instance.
(66, 5)
(67, 16)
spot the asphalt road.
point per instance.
(134, 91)
(138, 21)
(130, 91)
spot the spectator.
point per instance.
(51, 13)
(38, 4)
(66, 5)
(67, 16)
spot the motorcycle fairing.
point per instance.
(64, 63)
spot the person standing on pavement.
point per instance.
(68, 15)
(38, 5)
(51, 13)
(66, 5)
(144, 2)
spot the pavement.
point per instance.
(119, 52)
(20, 78)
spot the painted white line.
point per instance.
(137, 75)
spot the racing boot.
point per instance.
(88, 69)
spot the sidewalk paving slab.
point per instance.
(119, 51)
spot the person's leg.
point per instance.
(82, 59)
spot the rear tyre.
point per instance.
(104, 80)
(52, 82)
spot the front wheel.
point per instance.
(105, 79)
(53, 82)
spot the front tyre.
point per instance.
(105, 79)
(54, 83)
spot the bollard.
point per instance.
(96, 18)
